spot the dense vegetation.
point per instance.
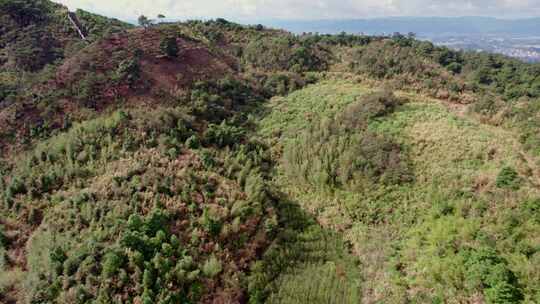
(170, 232)
(427, 215)
(211, 162)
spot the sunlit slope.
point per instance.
(438, 207)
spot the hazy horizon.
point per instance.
(249, 10)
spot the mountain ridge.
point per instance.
(419, 25)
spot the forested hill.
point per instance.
(213, 162)
(423, 26)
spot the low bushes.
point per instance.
(223, 135)
(281, 84)
(340, 161)
(169, 47)
(357, 115)
(508, 178)
(486, 270)
(341, 152)
(285, 53)
(137, 214)
(217, 100)
(128, 70)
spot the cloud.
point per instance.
(307, 9)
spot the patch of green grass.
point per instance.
(318, 283)
(508, 178)
(293, 113)
(448, 148)
(455, 162)
(306, 264)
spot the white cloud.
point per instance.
(306, 9)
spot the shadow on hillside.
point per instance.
(307, 263)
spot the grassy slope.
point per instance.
(289, 114)
(456, 162)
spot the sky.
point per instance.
(306, 9)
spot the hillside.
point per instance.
(515, 38)
(428, 197)
(212, 162)
(420, 25)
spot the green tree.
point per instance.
(212, 267)
(144, 21)
(25, 12)
(160, 17)
(169, 46)
(111, 263)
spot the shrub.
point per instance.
(193, 142)
(89, 89)
(135, 222)
(207, 159)
(285, 53)
(57, 258)
(16, 187)
(148, 279)
(413, 63)
(128, 70)
(508, 178)
(3, 239)
(173, 153)
(341, 161)
(486, 270)
(455, 67)
(488, 105)
(6, 90)
(112, 262)
(155, 222)
(341, 152)
(223, 135)
(212, 267)
(531, 207)
(378, 104)
(169, 47)
(211, 223)
(277, 84)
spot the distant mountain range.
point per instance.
(422, 26)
